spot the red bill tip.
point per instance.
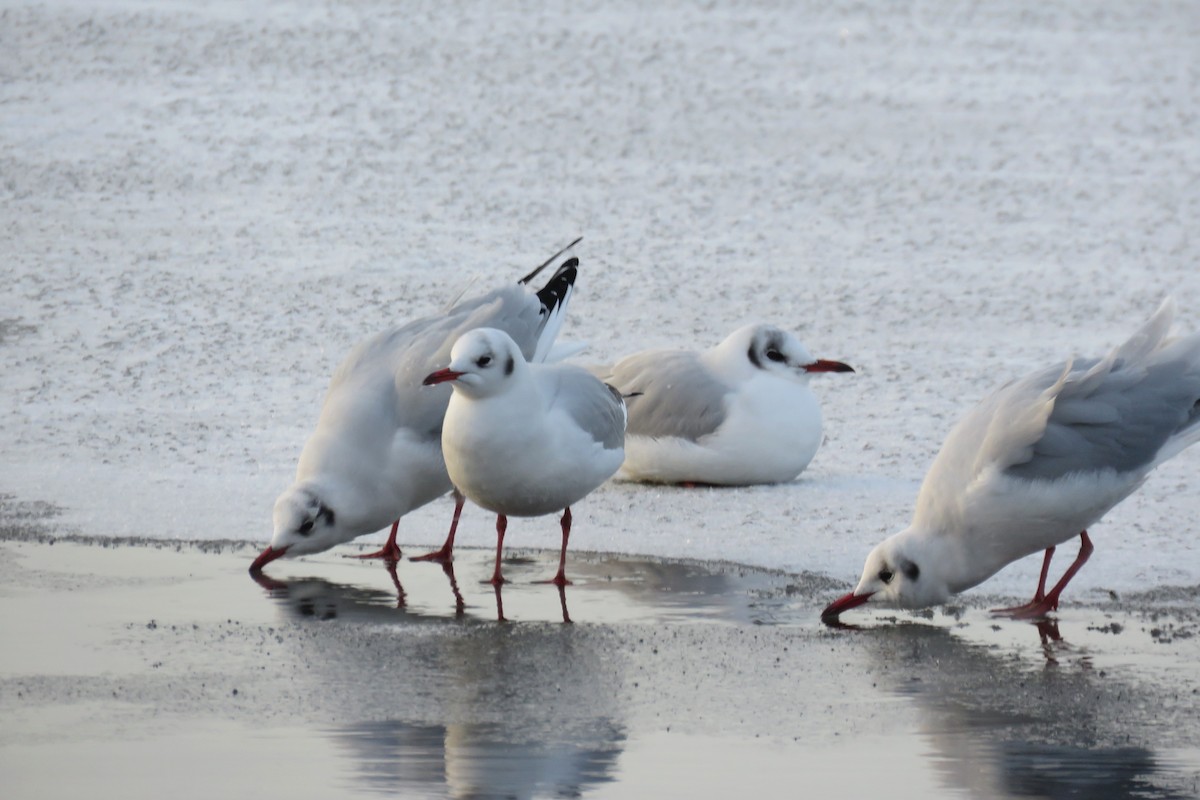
(441, 376)
(844, 603)
(266, 557)
(824, 365)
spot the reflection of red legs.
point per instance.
(459, 605)
(562, 600)
(497, 578)
(1044, 602)
(1048, 633)
(401, 596)
(560, 578)
(445, 554)
(390, 550)
(499, 604)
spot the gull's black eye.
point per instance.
(483, 361)
(775, 355)
(886, 575)
(305, 527)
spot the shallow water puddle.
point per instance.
(144, 666)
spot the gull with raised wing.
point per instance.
(1034, 465)
(376, 453)
(526, 439)
(736, 414)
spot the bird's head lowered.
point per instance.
(481, 363)
(305, 523)
(899, 573)
(775, 351)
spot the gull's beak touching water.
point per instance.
(844, 603)
(266, 557)
(824, 365)
(441, 376)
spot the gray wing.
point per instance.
(1126, 412)
(594, 405)
(1116, 415)
(670, 393)
(399, 359)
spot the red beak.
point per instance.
(441, 376)
(266, 557)
(844, 603)
(822, 365)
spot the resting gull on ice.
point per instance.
(737, 414)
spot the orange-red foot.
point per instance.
(389, 552)
(442, 555)
(1034, 609)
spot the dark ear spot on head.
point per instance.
(753, 356)
(509, 366)
(910, 570)
(326, 512)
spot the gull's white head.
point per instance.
(306, 522)
(903, 571)
(482, 363)
(776, 352)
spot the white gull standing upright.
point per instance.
(376, 453)
(526, 439)
(736, 414)
(1034, 465)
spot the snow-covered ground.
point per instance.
(204, 205)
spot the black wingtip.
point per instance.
(555, 291)
(550, 261)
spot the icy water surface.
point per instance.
(165, 669)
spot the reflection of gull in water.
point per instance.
(322, 599)
(478, 760)
(608, 588)
(998, 729)
(427, 705)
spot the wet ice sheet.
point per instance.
(682, 676)
(206, 204)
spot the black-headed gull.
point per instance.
(1036, 463)
(525, 439)
(737, 414)
(376, 453)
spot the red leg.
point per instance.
(560, 578)
(390, 550)
(446, 554)
(1040, 607)
(1085, 552)
(501, 527)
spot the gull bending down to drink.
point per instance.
(1034, 465)
(376, 453)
